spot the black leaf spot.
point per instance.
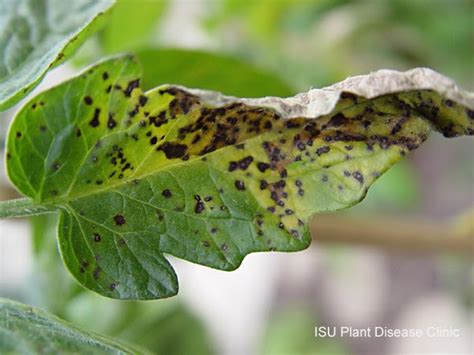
(239, 185)
(119, 219)
(88, 100)
(95, 119)
(131, 85)
(358, 176)
(263, 166)
(111, 123)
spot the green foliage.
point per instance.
(319, 42)
(140, 174)
(290, 332)
(212, 71)
(38, 35)
(163, 327)
(131, 25)
(25, 330)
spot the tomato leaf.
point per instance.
(28, 330)
(38, 35)
(206, 177)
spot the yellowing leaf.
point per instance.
(205, 177)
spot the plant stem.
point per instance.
(22, 207)
(390, 233)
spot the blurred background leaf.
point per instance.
(131, 25)
(291, 331)
(212, 71)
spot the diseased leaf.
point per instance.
(205, 177)
(28, 330)
(38, 35)
(211, 71)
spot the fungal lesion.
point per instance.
(170, 125)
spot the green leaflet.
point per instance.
(202, 177)
(28, 330)
(38, 35)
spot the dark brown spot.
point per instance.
(337, 120)
(96, 273)
(263, 184)
(119, 219)
(97, 237)
(199, 207)
(142, 100)
(263, 166)
(134, 111)
(105, 75)
(470, 114)
(239, 185)
(88, 100)
(173, 150)
(358, 176)
(322, 150)
(245, 162)
(233, 165)
(111, 122)
(153, 140)
(348, 95)
(95, 119)
(131, 85)
(167, 193)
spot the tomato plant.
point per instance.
(137, 173)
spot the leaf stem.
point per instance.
(22, 207)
